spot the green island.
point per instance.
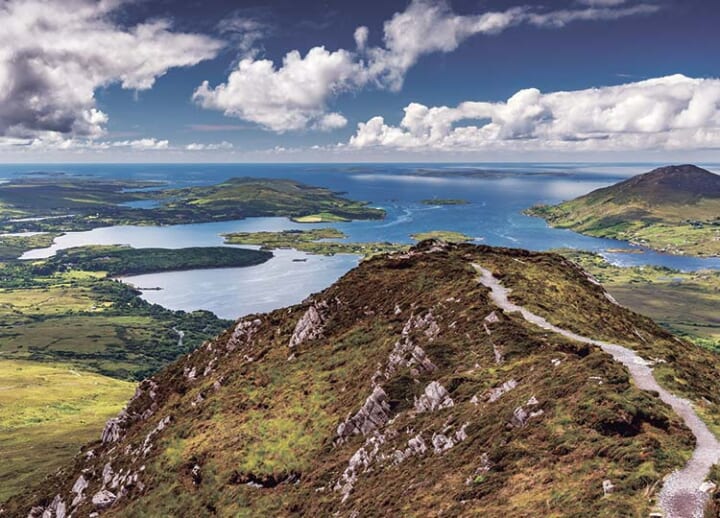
(673, 209)
(444, 201)
(118, 260)
(47, 411)
(685, 303)
(443, 235)
(312, 241)
(62, 203)
(318, 241)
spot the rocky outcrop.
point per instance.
(371, 416)
(103, 498)
(310, 325)
(434, 398)
(497, 392)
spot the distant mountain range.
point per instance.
(408, 388)
(675, 209)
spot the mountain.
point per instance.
(675, 209)
(413, 387)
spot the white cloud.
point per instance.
(297, 94)
(673, 112)
(224, 145)
(291, 97)
(54, 55)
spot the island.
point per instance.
(314, 241)
(61, 203)
(118, 260)
(674, 209)
(444, 201)
(443, 235)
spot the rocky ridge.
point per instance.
(403, 390)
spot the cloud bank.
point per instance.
(55, 54)
(296, 95)
(673, 112)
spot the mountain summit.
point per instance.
(412, 387)
(677, 184)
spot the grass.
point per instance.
(46, 413)
(684, 302)
(274, 414)
(444, 235)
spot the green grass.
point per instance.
(46, 413)
(444, 235)
(684, 302)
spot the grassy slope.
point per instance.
(270, 417)
(46, 413)
(684, 302)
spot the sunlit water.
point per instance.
(493, 216)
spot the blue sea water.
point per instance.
(493, 216)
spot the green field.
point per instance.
(50, 312)
(686, 303)
(46, 413)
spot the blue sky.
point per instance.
(349, 81)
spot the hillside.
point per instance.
(405, 390)
(675, 209)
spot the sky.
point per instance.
(339, 81)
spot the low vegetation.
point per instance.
(685, 303)
(252, 423)
(46, 413)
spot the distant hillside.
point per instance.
(674, 209)
(402, 390)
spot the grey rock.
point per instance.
(310, 326)
(434, 398)
(374, 413)
(103, 498)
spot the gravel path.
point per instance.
(682, 494)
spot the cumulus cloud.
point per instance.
(297, 94)
(54, 55)
(224, 145)
(291, 97)
(673, 112)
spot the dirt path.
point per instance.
(682, 495)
